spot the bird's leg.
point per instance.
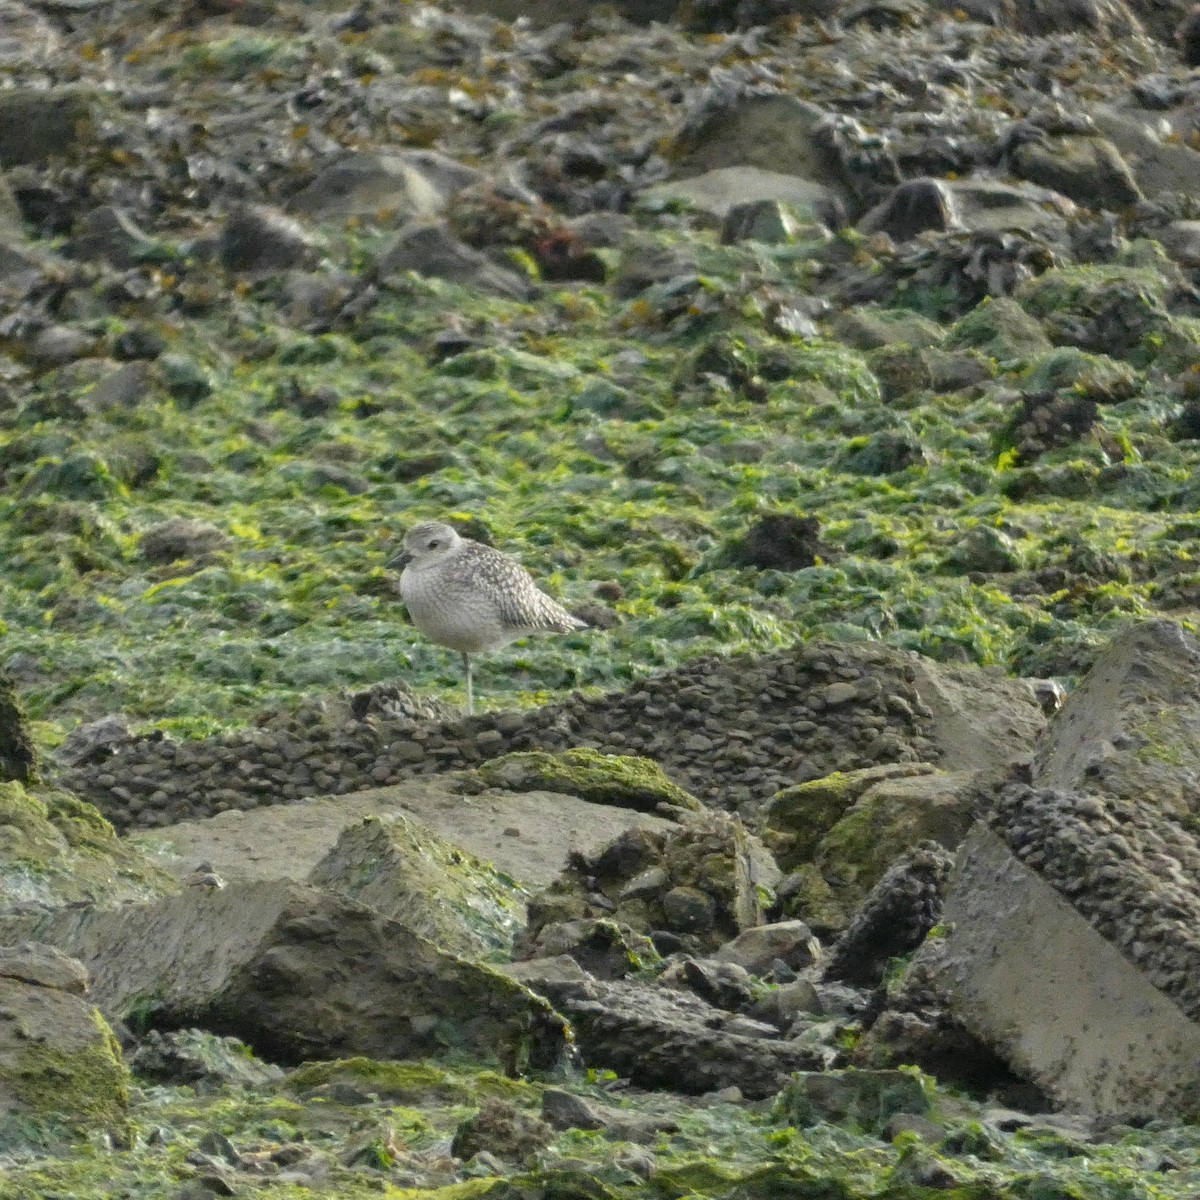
(470, 688)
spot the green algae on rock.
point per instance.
(406, 871)
(60, 1064)
(617, 779)
(55, 849)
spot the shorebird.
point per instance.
(471, 598)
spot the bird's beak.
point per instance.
(399, 561)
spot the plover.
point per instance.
(471, 598)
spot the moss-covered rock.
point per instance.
(799, 817)
(886, 820)
(60, 1064)
(696, 880)
(618, 779)
(410, 1083)
(406, 871)
(863, 1100)
(55, 849)
(1001, 329)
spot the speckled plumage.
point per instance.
(471, 598)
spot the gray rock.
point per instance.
(1085, 168)
(58, 1058)
(193, 1058)
(95, 741)
(408, 186)
(432, 250)
(717, 193)
(40, 124)
(1027, 974)
(769, 221)
(723, 984)
(602, 948)
(124, 387)
(689, 909)
(298, 973)
(45, 966)
(258, 240)
(661, 1038)
(1181, 240)
(756, 949)
(404, 870)
(56, 345)
(1131, 729)
(989, 206)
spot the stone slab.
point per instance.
(1029, 976)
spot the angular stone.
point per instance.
(718, 194)
(430, 249)
(1131, 729)
(299, 973)
(360, 183)
(32, 962)
(1028, 975)
(756, 949)
(404, 870)
(889, 819)
(59, 1059)
(1083, 167)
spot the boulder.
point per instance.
(404, 870)
(603, 949)
(756, 950)
(1027, 974)
(404, 187)
(1131, 729)
(430, 249)
(663, 1038)
(887, 821)
(990, 206)
(59, 1061)
(56, 850)
(1083, 167)
(771, 132)
(725, 193)
(798, 817)
(299, 973)
(527, 835)
(695, 881)
(622, 780)
(38, 125)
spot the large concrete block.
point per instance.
(1027, 974)
(1132, 728)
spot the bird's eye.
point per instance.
(433, 545)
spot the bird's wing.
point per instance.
(520, 603)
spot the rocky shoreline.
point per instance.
(837, 362)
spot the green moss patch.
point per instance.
(624, 781)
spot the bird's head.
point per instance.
(427, 542)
